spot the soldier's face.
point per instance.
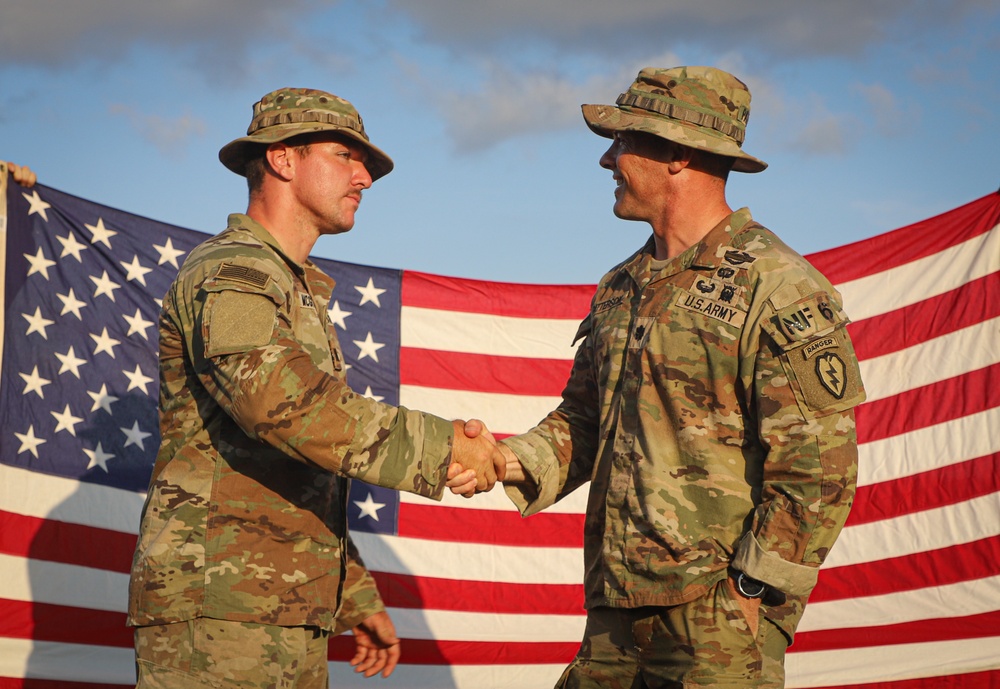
(635, 161)
(330, 176)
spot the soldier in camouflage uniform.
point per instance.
(243, 566)
(710, 405)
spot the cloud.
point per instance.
(778, 28)
(169, 136)
(888, 117)
(508, 103)
(54, 33)
(802, 123)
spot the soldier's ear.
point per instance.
(677, 157)
(280, 160)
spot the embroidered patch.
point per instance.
(826, 309)
(832, 374)
(711, 308)
(307, 300)
(709, 288)
(738, 258)
(640, 332)
(818, 346)
(825, 369)
(609, 303)
(726, 273)
(244, 274)
(797, 322)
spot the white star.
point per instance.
(369, 293)
(136, 324)
(67, 422)
(34, 383)
(168, 254)
(71, 246)
(37, 206)
(368, 347)
(29, 443)
(370, 394)
(70, 362)
(105, 286)
(135, 436)
(99, 233)
(39, 263)
(105, 343)
(338, 315)
(136, 379)
(98, 457)
(71, 304)
(369, 508)
(102, 400)
(37, 324)
(136, 271)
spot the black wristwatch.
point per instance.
(750, 587)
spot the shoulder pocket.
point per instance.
(817, 354)
(241, 308)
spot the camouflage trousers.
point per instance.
(224, 655)
(706, 642)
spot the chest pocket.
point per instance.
(817, 354)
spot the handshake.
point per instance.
(478, 461)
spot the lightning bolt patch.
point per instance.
(830, 371)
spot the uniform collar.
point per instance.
(707, 253)
(240, 220)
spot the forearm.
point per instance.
(361, 597)
(809, 483)
(326, 424)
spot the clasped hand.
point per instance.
(476, 461)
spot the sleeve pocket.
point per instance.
(817, 355)
(237, 322)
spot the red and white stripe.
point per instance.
(909, 598)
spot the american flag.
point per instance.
(909, 598)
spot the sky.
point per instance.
(872, 114)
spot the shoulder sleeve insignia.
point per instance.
(832, 373)
(823, 368)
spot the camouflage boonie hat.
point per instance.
(289, 112)
(700, 107)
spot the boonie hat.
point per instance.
(700, 107)
(289, 112)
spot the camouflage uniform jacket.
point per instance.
(710, 404)
(246, 519)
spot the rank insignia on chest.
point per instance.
(641, 328)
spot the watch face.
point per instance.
(751, 588)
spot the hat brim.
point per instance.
(605, 120)
(237, 152)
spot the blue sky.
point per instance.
(872, 115)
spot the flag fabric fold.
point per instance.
(910, 595)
